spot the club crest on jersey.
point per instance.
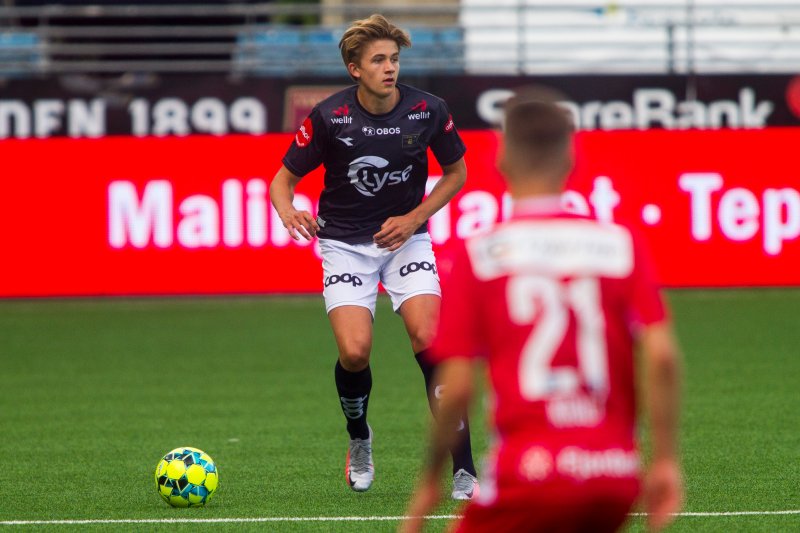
(410, 140)
(341, 115)
(418, 112)
(367, 176)
(304, 135)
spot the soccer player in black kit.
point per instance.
(372, 139)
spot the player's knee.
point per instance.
(354, 357)
(421, 338)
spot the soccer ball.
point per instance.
(186, 477)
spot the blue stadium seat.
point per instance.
(321, 48)
(434, 50)
(291, 51)
(288, 51)
(20, 53)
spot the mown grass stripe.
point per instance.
(327, 518)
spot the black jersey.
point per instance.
(376, 166)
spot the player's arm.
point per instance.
(281, 193)
(457, 377)
(397, 230)
(663, 487)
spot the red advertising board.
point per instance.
(191, 215)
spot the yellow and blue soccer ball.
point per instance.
(186, 477)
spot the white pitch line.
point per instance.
(324, 519)
(219, 520)
(730, 513)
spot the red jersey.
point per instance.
(551, 300)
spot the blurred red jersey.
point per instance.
(552, 301)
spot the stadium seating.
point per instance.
(291, 51)
(20, 53)
(285, 51)
(434, 50)
(482, 37)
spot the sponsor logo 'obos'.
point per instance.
(365, 176)
(370, 131)
(304, 134)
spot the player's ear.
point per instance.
(352, 69)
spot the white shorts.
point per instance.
(351, 272)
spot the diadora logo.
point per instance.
(370, 131)
(365, 176)
(341, 115)
(354, 280)
(421, 112)
(348, 141)
(410, 268)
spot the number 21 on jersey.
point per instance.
(548, 302)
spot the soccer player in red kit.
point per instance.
(554, 303)
(372, 139)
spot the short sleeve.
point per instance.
(647, 302)
(308, 146)
(446, 144)
(458, 333)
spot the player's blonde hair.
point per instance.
(364, 31)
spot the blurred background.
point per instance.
(137, 143)
(140, 137)
(289, 38)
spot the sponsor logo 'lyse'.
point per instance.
(421, 112)
(366, 177)
(304, 135)
(341, 115)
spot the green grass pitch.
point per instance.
(94, 392)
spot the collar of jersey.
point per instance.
(384, 116)
(549, 204)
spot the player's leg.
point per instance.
(420, 314)
(352, 328)
(351, 285)
(411, 279)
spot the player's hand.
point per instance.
(395, 232)
(423, 501)
(299, 223)
(663, 493)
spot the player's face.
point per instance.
(379, 66)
